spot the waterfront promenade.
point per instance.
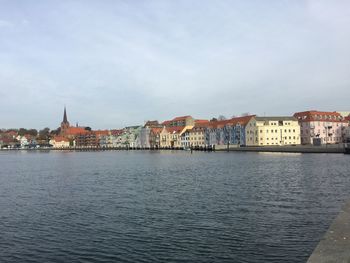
(331, 148)
(335, 148)
(334, 247)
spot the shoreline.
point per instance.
(219, 148)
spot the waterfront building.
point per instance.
(196, 136)
(171, 136)
(346, 134)
(144, 138)
(272, 131)
(227, 132)
(87, 139)
(321, 126)
(103, 137)
(60, 142)
(24, 140)
(154, 137)
(129, 137)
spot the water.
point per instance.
(167, 206)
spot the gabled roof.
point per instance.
(156, 130)
(314, 115)
(236, 120)
(165, 123)
(75, 131)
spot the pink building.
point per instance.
(325, 127)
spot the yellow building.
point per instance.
(171, 136)
(272, 131)
(60, 142)
(197, 136)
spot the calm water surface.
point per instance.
(167, 206)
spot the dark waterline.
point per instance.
(167, 206)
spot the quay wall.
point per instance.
(232, 148)
(334, 247)
(338, 148)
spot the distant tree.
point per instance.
(55, 132)
(23, 131)
(221, 118)
(44, 133)
(33, 132)
(87, 128)
(214, 119)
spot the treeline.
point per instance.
(41, 134)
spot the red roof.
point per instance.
(237, 120)
(11, 133)
(200, 122)
(165, 123)
(75, 131)
(156, 130)
(313, 115)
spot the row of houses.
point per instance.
(309, 127)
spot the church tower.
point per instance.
(64, 123)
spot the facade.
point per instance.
(272, 131)
(171, 136)
(103, 137)
(129, 137)
(227, 132)
(326, 127)
(197, 136)
(88, 139)
(59, 142)
(144, 139)
(154, 137)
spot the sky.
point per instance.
(115, 63)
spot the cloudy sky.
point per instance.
(116, 63)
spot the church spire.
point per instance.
(65, 120)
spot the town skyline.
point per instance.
(115, 63)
